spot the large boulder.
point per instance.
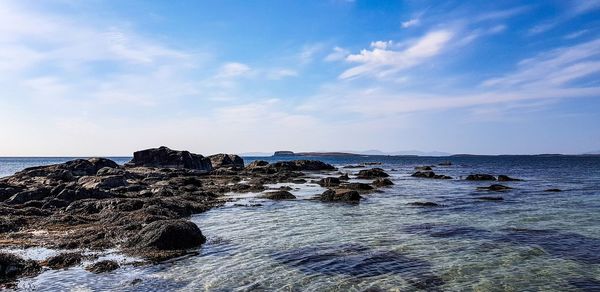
(12, 267)
(507, 178)
(166, 158)
(102, 267)
(226, 160)
(372, 173)
(301, 165)
(340, 195)
(382, 182)
(168, 235)
(63, 261)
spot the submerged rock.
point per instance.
(479, 177)
(102, 267)
(340, 195)
(279, 195)
(491, 198)
(423, 168)
(445, 163)
(63, 261)
(168, 235)
(372, 173)
(167, 158)
(495, 188)
(226, 160)
(424, 204)
(357, 186)
(13, 267)
(507, 178)
(553, 190)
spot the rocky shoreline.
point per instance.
(140, 208)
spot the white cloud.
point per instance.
(411, 23)
(233, 69)
(337, 54)
(381, 61)
(277, 74)
(554, 68)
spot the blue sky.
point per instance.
(485, 77)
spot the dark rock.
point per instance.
(299, 181)
(372, 173)
(102, 267)
(424, 204)
(357, 186)
(279, 195)
(168, 235)
(226, 160)
(344, 177)
(495, 188)
(553, 190)
(102, 182)
(353, 166)
(340, 195)
(491, 198)
(382, 182)
(329, 182)
(167, 158)
(507, 178)
(283, 153)
(430, 174)
(30, 195)
(110, 171)
(445, 163)
(480, 177)
(63, 261)
(423, 168)
(259, 166)
(301, 165)
(13, 267)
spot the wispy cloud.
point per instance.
(381, 61)
(411, 22)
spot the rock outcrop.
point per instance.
(372, 173)
(301, 165)
(340, 195)
(168, 235)
(226, 160)
(102, 267)
(279, 195)
(430, 174)
(164, 157)
(12, 267)
(329, 182)
(507, 178)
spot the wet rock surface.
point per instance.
(340, 195)
(279, 195)
(372, 173)
(13, 266)
(63, 261)
(480, 177)
(102, 267)
(430, 174)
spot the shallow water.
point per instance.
(532, 240)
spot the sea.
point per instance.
(529, 240)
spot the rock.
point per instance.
(553, 190)
(507, 178)
(105, 171)
(340, 195)
(424, 204)
(329, 182)
(102, 267)
(63, 261)
(29, 195)
(344, 177)
(102, 182)
(372, 173)
(357, 186)
(259, 166)
(445, 163)
(352, 166)
(382, 182)
(423, 168)
(279, 195)
(226, 160)
(13, 267)
(168, 235)
(166, 158)
(372, 163)
(490, 198)
(430, 174)
(301, 165)
(479, 177)
(495, 188)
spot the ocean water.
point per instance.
(530, 241)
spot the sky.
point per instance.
(93, 77)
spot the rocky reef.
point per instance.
(140, 208)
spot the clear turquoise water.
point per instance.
(531, 241)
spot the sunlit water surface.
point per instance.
(532, 240)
